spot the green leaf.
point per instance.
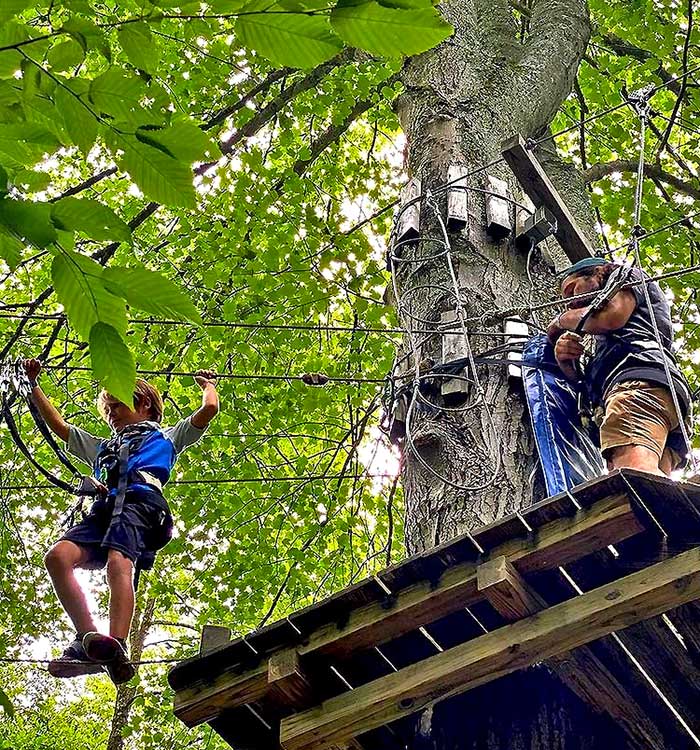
(11, 59)
(8, 93)
(149, 291)
(389, 32)
(80, 122)
(78, 283)
(31, 181)
(65, 55)
(293, 39)
(183, 140)
(118, 93)
(28, 221)
(10, 249)
(137, 42)
(160, 177)
(90, 217)
(112, 363)
(6, 704)
(10, 8)
(224, 7)
(26, 143)
(88, 35)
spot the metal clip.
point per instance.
(639, 99)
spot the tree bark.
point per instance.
(461, 102)
(126, 694)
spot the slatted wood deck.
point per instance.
(600, 583)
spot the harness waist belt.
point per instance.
(149, 479)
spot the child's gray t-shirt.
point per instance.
(84, 445)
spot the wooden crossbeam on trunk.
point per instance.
(553, 631)
(541, 191)
(580, 670)
(608, 521)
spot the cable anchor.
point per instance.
(640, 100)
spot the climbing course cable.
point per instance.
(642, 108)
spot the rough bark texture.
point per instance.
(143, 619)
(461, 102)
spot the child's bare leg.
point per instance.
(61, 561)
(120, 577)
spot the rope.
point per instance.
(642, 109)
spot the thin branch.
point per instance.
(604, 169)
(263, 86)
(267, 113)
(681, 93)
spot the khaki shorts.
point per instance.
(638, 413)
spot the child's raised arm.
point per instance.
(206, 380)
(48, 411)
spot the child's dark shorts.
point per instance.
(144, 526)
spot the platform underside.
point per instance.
(598, 585)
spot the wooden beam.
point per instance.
(541, 191)
(207, 699)
(507, 591)
(288, 684)
(557, 543)
(606, 522)
(580, 670)
(553, 631)
(213, 636)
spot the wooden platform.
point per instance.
(544, 585)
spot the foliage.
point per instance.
(261, 174)
(85, 75)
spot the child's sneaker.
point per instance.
(109, 652)
(73, 662)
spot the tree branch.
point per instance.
(604, 169)
(624, 48)
(280, 102)
(263, 86)
(332, 133)
(559, 33)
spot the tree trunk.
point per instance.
(461, 102)
(143, 619)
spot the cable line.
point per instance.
(229, 480)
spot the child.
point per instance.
(128, 522)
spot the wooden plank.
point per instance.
(457, 198)
(556, 543)
(580, 670)
(507, 590)
(398, 576)
(207, 699)
(652, 643)
(686, 620)
(498, 222)
(541, 191)
(243, 730)
(553, 631)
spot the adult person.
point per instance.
(628, 377)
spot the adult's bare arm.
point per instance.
(610, 318)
